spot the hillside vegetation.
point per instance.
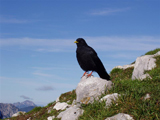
(132, 100)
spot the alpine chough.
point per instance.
(88, 59)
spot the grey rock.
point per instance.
(71, 113)
(120, 116)
(91, 88)
(142, 64)
(109, 98)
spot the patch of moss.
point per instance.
(68, 97)
(120, 74)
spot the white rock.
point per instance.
(57, 100)
(60, 106)
(109, 98)
(29, 118)
(51, 118)
(124, 66)
(18, 113)
(142, 64)
(91, 88)
(71, 113)
(147, 96)
(120, 116)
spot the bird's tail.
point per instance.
(103, 74)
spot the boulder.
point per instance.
(60, 106)
(109, 98)
(90, 88)
(120, 116)
(71, 113)
(142, 64)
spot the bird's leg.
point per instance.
(84, 73)
(89, 74)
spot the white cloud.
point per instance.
(39, 45)
(12, 20)
(108, 11)
(35, 42)
(134, 43)
(42, 74)
(104, 43)
(45, 88)
(25, 97)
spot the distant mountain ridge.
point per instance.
(24, 104)
(8, 110)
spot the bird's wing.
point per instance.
(97, 62)
(95, 59)
(99, 67)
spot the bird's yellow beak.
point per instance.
(75, 41)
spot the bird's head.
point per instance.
(80, 42)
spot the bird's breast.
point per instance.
(85, 61)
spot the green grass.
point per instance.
(120, 74)
(132, 96)
(68, 97)
(36, 109)
(131, 101)
(153, 52)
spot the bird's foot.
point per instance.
(84, 74)
(89, 74)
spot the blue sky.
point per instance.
(37, 50)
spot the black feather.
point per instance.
(88, 59)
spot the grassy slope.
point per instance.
(131, 101)
(132, 96)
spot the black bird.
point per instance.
(88, 59)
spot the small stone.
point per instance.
(109, 98)
(60, 106)
(51, 118)
(147, 96)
